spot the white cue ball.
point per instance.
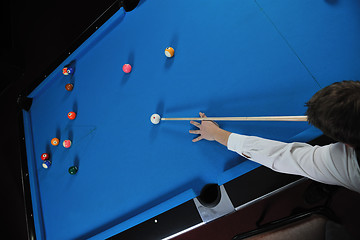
(155, 118)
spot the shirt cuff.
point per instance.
(236, 142)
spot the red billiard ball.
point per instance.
(67, 143)
(127, 68)
(71, 115)
(44, 156)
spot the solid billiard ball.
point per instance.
(155, 118)
(68, 70)
(73, 170)
(55, 141)
(69, 87)
(67, 143)
(44, 156)
(169, 52)
(127, 68)
(46, 164)
(71, 115)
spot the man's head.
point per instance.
(335, 110)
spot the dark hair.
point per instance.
(335, 110)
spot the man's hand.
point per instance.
(210, 131)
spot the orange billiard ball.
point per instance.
(55, 141)
(71, 115)
(169, 52)
(69, 87)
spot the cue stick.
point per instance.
(279, 118)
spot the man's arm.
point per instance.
(283, 157)
(331, 164)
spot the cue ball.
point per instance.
(155, 118)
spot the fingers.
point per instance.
(196, 124)
(195, 131)
(202, 115)
(197, 139)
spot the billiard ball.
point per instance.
(46, 164)
(169, 52)
(155, 118)
(127, 68)
(68, 70)
(67, 143)
(73, 170)
(69, 87)
(71, 115)
(55, 141)
(44, 156)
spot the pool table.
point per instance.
(239, 58)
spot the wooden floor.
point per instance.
(27, 51)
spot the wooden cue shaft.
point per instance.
(279, 118)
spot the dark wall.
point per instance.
(34, 35)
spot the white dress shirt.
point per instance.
(334, 164)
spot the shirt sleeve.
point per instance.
(334, 164)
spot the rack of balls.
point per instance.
(155, 118)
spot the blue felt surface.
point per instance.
(248, 58)
(323, 34)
